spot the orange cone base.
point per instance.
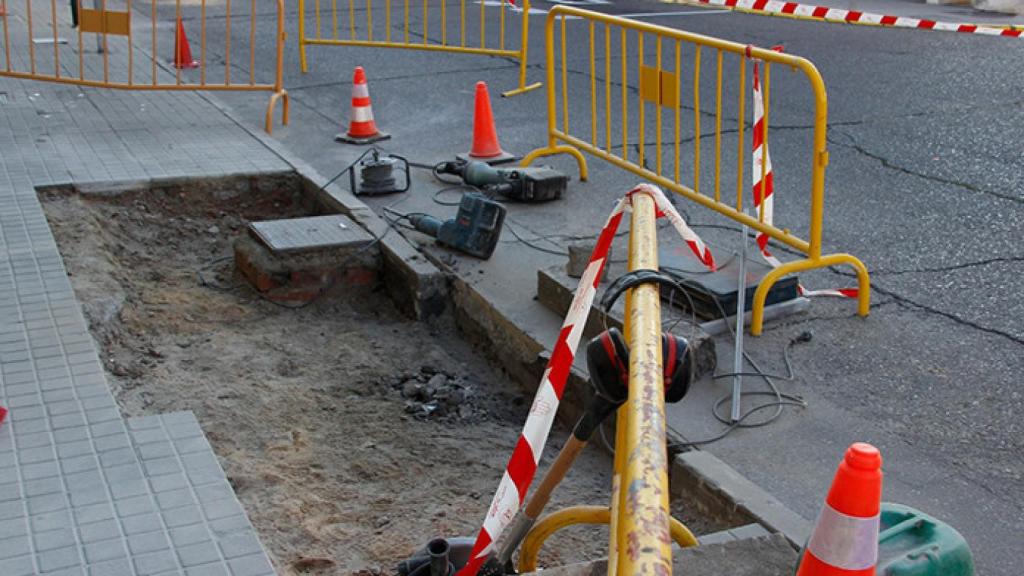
(344, 137)
(502, 158)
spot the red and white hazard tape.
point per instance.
(522, 466)
(824, 13)
(764, 191)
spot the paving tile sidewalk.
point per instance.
(82, 490)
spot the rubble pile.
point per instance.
(436, 394)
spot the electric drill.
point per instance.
(474, 230)
(529, 184)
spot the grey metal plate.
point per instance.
(311, 233)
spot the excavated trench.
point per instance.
(352, 434)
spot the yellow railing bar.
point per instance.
(642, 125)
(625, 100)
(676, 105)
(7, 40)
(608, 88)
(227, 41)
(202, 42)
(565, 82)
(369, 20)
(696, 120)
(252, 42)
(658, 104)
(575, 515)
(406, 21)
(334, 19)
(593, 90)
(56, 45)
(352, 18)
(444, 23)
(501, 24)
(387, 20)
(483, 28)
(426, 21)
(462, 23)
(718, 129)
(646, 517)
(31, 45)
(741, 146)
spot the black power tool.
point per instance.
(474, 230)
(530, 184)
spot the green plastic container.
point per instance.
(912, 543)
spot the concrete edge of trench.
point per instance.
(422, 289)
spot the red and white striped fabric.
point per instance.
(522, 466)
(764, 191)
(827, 14)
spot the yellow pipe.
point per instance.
(718, 129)
(645, 515)
(576, 515)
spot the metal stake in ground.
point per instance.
(741, 304)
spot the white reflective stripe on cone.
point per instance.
(362, 114)
(846, 542)
(360, 91)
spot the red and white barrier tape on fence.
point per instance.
(824, 13)
(522, 466)
(763, 191)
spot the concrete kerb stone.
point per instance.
(718, 490)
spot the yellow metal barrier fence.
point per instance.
(663, 87)
(458, 33)
(113, 24)
(641, 528)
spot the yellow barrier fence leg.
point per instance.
(523, 52)
(541, 152)
(863, 284)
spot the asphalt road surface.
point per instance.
(925, 185)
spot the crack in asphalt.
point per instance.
(911, 304)
(950, 268)
(889, 164)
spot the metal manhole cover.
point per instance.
(312, 233)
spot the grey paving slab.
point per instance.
(82, 491)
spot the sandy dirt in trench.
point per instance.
(304, 407)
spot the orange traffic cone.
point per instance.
(361, 127)
(485, 136)
(3, 414)
(845, 538)
(182, 52)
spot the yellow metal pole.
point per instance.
(644, 518)
(303, 63)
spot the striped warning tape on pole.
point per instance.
(839, 15)
(764, 188)
(522, 465)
